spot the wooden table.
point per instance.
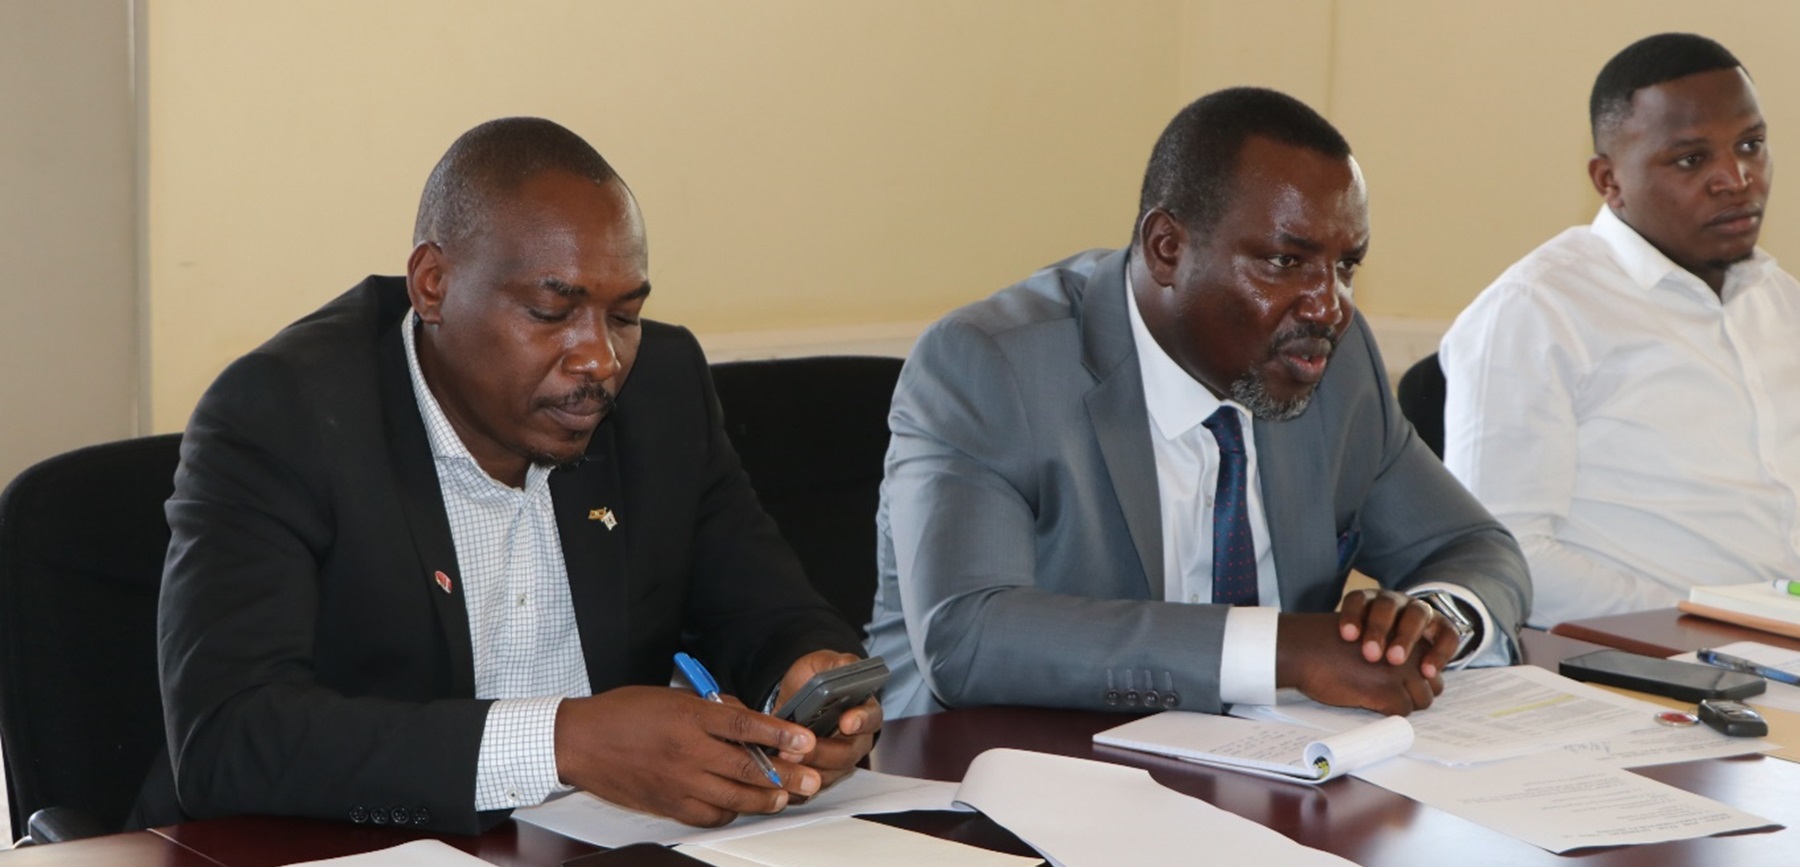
(1360, 821)
(1665, 632)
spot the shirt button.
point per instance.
(512, 795)
(521, 600)
(1193, 599)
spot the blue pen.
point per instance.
(703, 683)
(1737, 663)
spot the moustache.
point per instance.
(1312, 338)
(584, 395)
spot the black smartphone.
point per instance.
(635, 855)
(829, 693)
(1687, 681)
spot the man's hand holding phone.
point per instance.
(834, 694)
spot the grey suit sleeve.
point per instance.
(972, 494)
(1419, 524)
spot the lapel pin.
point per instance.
(604, 516)
(443, 582)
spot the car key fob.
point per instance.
(1733, 718)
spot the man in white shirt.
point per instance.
(1626, 398)
(1139, 478)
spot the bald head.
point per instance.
(490, 163)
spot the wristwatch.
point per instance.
(1458, 614)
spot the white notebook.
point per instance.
(1276, 750)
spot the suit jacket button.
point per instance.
(359, 815)
(378, 816)
(1171, 699)
(1152, 698)
(400, 816)
(421, 816)
(1112, 697)
(1131, 698)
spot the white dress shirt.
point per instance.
(515, 585)
(1638, 433)
(1187, 475)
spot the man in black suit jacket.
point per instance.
(320, 606)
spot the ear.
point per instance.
(425, 281)
(1600, 171)
(1161, 241)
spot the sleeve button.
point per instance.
(421, 816)
(400, 816)
(359, 815)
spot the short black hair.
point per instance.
(494, 159)
(1647, 62)
(1194, 163)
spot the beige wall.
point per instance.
(810, 163)
(1470, 120)
(68, 280)
(799, 163)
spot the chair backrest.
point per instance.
(1421, 394)
(82, 539)
(812, 433)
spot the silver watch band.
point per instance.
(1456, 612)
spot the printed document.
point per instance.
(842, 840)
(1557, 804)
(1485, 714)
(1082, 813)
(590, 819)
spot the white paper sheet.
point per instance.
(418, 853)
(1076, 813)
(1779, 695)
(1485, 715)
(590, 819)
(1281, 751)
(842, 840)
(1558, 804)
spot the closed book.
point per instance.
(1759, 606)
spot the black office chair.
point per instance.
(812, 433)
(1421, 393)
(82, 538)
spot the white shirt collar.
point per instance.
(1177, 402)
(446, 445)
(1647, 266)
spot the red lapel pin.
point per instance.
(443, 582)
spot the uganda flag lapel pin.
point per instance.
(604, 516)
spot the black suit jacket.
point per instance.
(311, 664)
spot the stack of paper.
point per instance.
(1522, 750)
(1758, 606)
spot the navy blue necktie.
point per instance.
(1234, 551)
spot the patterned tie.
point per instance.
(1234, 552)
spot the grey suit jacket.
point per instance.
(1020, 532)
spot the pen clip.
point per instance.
(697, 675)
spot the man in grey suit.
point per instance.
(1069, 454)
